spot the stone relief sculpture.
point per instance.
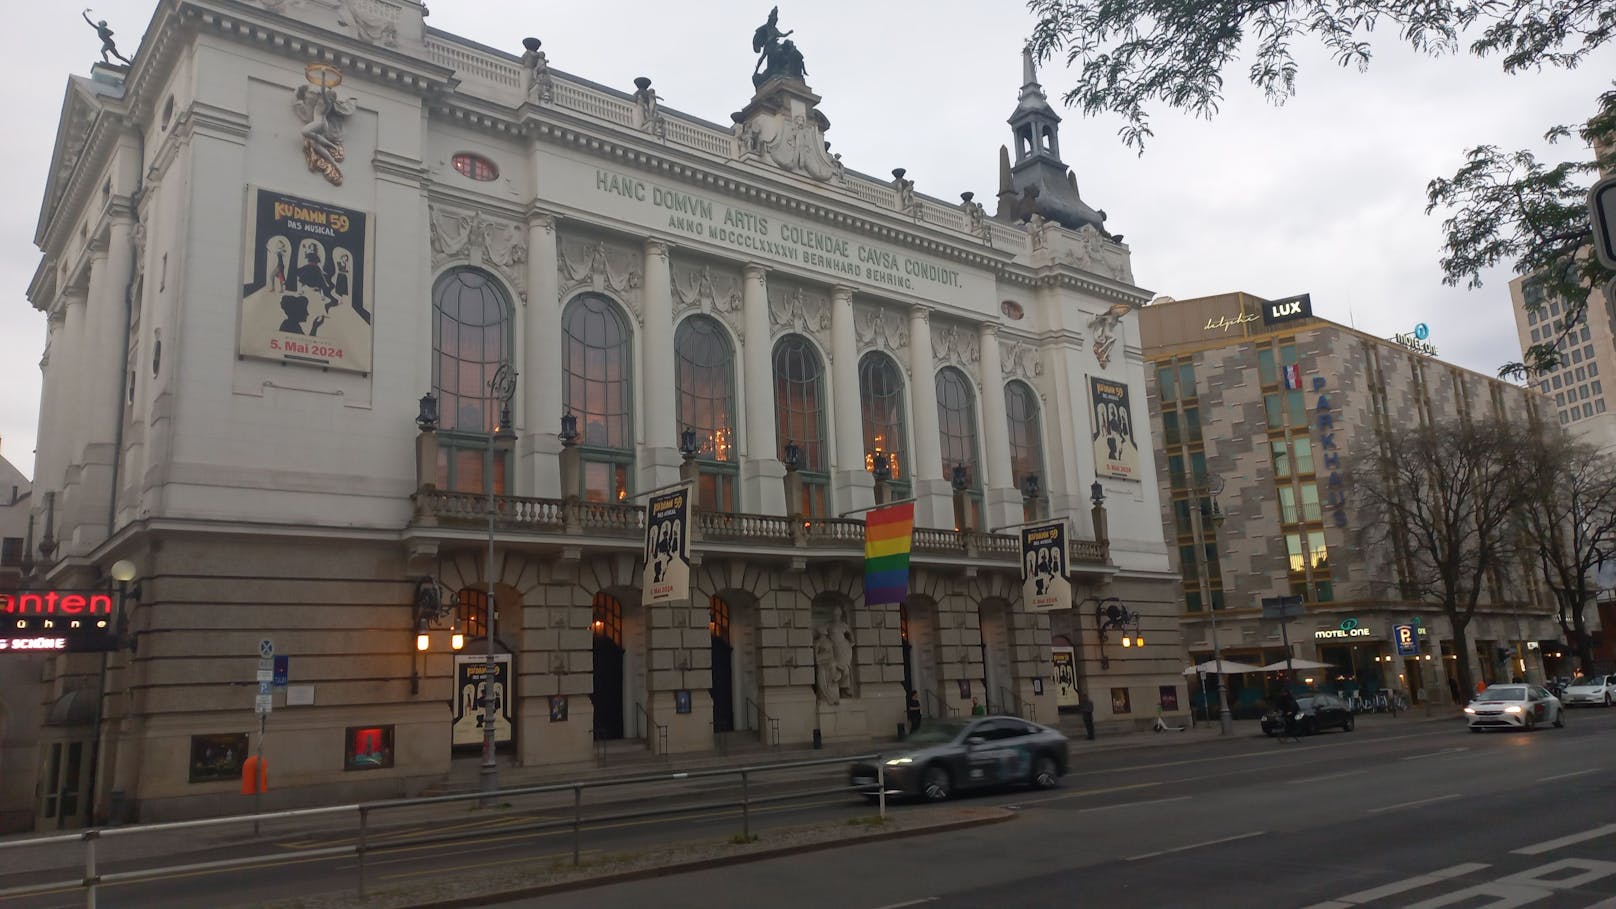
(717, 293)
(369, 22)
(1100, 254)
(1019, 359)
(793, 142)
(876, 327)
(588, 264)
(951, 344)
(540, 85)
(794, 309)
(323, 115)
(976, 217)
(833, 658)
(479, 240)
(1103, 327)
(1038, 232)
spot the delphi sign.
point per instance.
(56, 620)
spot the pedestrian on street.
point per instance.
(1086, 708)
(914, 711)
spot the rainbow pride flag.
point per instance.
(887, 535)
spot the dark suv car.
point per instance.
(1313, 712)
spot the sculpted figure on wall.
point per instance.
(833, 658)
(323, 115)
(540, 86)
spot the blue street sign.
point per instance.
(281, 664)
(1408, 643)
(263, 689)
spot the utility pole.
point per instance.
(500, 389)
(1225, 718)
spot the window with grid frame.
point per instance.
(881, 407)
(799, 408)
(1026, 442)
(956, 425)
(598, 380)
(471, 337)
(704, 362)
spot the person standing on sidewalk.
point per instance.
(1085, 706)
(914, 711)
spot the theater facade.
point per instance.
(353, 321)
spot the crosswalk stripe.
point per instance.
(1551, 845)
(1407, 884)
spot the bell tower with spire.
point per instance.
(1039, 182)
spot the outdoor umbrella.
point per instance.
(1229, 667)
(1295, 664)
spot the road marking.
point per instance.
(1551, 845)
(1439, 798)
(1085, 793)
(1227, 839)
(1443, 752)
(928, 899)
(1176, 798)
(1328, 776)
(1567, 776)
(1402, 886)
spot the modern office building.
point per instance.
(353, 320)
(1254, 405)
(1588, 359)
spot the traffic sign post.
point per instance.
(263, 704)
(1602, 210)
(1283, 609)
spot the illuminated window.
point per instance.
(799, 407)
(475, 167)
(597, 376)
(956, 423)
(471, 336)
(881, 403)
(705, 379)
(1027, 440)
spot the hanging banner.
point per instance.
(1116, 451)
(1044, 584)
(306, 283)
(1065, 660)
(471, 686)
(888, 534)
(667, 546)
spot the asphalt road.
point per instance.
(1222, 822)
(1422, 815)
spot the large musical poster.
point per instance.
(1116, 449)
(306, 284)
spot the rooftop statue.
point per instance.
(776, 55)
(108, 46)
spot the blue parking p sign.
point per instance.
(1408, 643)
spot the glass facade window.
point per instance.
(1186, 380)
(1170, 427)
(471, 337)
(1267, 372)
(1192, 424)
(1310, 503)
(1165, 384)
(704, 361)
(799, 407)
(1287, 505)
(881, 403)
(598, 388)
(1282, 458)
(1274, 411)
(956, 423)
(1026, 439)
(1304, 455)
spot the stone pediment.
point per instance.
(80, 107)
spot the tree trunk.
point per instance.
(1461, 652)
(1582, 641)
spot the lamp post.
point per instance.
(123, 571)
(1225, 718)
(1030, 490)
(500, 390)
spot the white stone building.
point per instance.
(267, 239)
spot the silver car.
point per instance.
(1593, 690)
(945, 756)
(1514, 706)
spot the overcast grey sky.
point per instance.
(1324, 195)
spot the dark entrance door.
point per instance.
(608, 691)
(723, 690)
(908, 649)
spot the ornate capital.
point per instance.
(655, 246)
(920, 313)
(752, 271)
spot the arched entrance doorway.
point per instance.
(994, 618)
(917, 625)
(609, 664)
(723, 686)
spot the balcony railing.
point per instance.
(610, 519)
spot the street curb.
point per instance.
(988, 816)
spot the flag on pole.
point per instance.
(887, 535)
(1293, 375)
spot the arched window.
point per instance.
(1026, 443)
(956, 425)
(705, 378)
(598, 377)
(799, 407)
(471, 336)
(881, 403)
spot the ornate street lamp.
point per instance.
(688, 446)
(1096, 493)
(961, 478)
(501, 388)
(1030, 486)
(427, 419)
(793, 456)
(881, 466)
(569, 429)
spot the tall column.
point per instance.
(539, 444)
(659, 454)
(104, 344)
(1000, 491)
(853, 486)
(762, 491)
(933, 503)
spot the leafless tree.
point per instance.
(1569, 521)
(1445, 500)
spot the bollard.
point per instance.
(364, 813)
(901, 735)
(577, 820)
(746, 807)
(818, 742)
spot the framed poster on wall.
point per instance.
(471, 686)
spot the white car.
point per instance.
(1514, 706)
(1594, 689)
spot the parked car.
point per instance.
(1598, 690)
(946, 756)
(1313, 712)
(1514, 706)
